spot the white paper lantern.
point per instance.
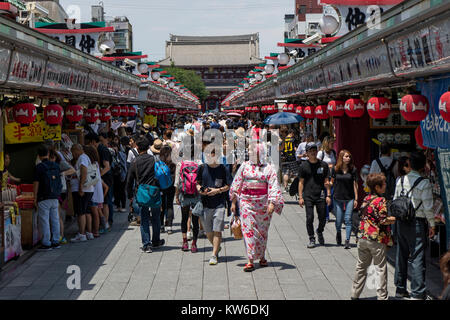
(283, 58)
(328, 24)
(143, 68)
(269, 68)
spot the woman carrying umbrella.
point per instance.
(258, 191)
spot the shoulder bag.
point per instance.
(147, 195)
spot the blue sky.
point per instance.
(153, 21)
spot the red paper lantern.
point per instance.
(285, 108)
(53, 114)
(414, 107)
(379, 107)
(354, 108)
(308, 112)
(115, 111)
(131, 112)
(124, 111)
(255, 109)
(91, 115)
(321, 112)
(299, 110)
(105, 115)
(291, 108)
(74, 113)
(148, 111)
(24, 113)
(336, 108)
(419, 137)
(444, 106)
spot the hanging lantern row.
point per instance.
(269, 109)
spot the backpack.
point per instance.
(390, 179)
(52, 180)
(188, 177)
(402, 208)
(162, 174)
(288, 150)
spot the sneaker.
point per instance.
(107, 227)
(169, 230)
(402, 295)
(123, 210)
(147, 249)
(213, 261)
(311, 244)
(79, 238)
(56, 245)
(218, 251)
(185, 246)
(320, 238)
(189, 235)
(160, 244)
(62, 240)
(45, 248)
(338, 238)
(194, 248)
(90, 236)
(347, 244)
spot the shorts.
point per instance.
(213, 220)
(289, 168)
(81, 204)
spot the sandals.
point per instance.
(249, 267)
(263, 263)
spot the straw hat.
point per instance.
(240, 132)
(156, 147)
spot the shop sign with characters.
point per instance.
(38, 131)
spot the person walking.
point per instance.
(328, 155)
(142, 172)
(81, 194)
(289, 163)
(314, 190)
(47, 188)
(387, 165)
(345, 181)
(256, 188)
(374, 238)
(213, 183)
(412, 236)
(168, 194)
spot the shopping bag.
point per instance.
(236, 229)
(198, 209)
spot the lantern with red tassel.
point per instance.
(414, 107)
(308, 112)
(444, 106)
(74, 113)
(105, 115)
(321, 112)
(336, 108)
(91, 115)
(354, 108)
(53, 114)
(419, 137)
(379, 107)
(115, 111)
(24, 113)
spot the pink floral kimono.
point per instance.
(255, 186)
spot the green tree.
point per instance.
(190, 80)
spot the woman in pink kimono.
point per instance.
(258, 191)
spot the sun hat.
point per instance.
(156, 147)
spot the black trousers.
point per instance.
(184, 222)
(167, 206)
(320, 205)
(120, 195)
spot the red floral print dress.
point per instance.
(371, 227)
(255, 186)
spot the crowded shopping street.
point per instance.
(221, 170)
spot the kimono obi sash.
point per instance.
(254, 187)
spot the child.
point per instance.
(374, 238)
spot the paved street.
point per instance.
(113, 267)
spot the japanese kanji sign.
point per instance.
(38, 131)
(394, 121)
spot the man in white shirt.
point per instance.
(300, 153)
(133, 153)
(412, 236)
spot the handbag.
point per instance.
(147, 195)
(92, 177)
(198, 209)
(236, 229)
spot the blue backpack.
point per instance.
(162, 173)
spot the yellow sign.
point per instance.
(151, 120)
(38, 131)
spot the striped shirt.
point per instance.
(422, 193)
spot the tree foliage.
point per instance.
(190, 80)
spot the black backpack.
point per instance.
(402, 208)
(390, 179)
(52, 184)
(288, 150)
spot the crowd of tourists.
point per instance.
(147, 170)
